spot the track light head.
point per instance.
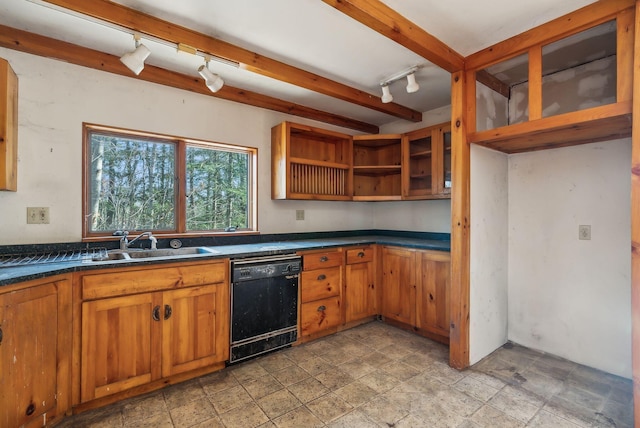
(135, 60)
(212, 80)
(386, 94)
(412, 85)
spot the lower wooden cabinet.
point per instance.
(35, 355)
(399, 284)
(432, 294)
(415, 290)
(320, 293)
(360, 291)
(132, 340)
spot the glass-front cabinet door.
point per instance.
(427, 163)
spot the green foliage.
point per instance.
(133, 185)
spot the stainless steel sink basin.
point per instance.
(138, 254)
(167, 252)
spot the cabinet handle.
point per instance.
(0, 335)
(30, 409)
(324, 258)
(155, 314)
(322, 277)
(322, 308)
(167, 312)
(361, 254)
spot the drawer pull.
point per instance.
(324, 258)
(322, 308)
(167, 312)
(361, 254)
(322, 277)
(155, 314)
(30, 409)
(0, 335)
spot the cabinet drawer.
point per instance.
(145, 280)
(319, 315)
(321, 260)
(320, 284)
(359, 255)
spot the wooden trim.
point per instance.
(625, 27)
(635, 225)
(535, 83)
(601, 123)
(600, 11)
(35, 44)
(146, 24)
(386, 21)
(460, 223)
(470, 99)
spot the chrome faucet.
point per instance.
(154, 241)
(125, 243)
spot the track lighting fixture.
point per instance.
(386, 94)
(135, 60)
(412, 85)
(212, 80)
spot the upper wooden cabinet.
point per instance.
(566, 82)
(311, 163)
(426, 168)
(377, 164)
(8, 127)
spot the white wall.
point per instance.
(566, 296)
(489, 252)
(55, 98)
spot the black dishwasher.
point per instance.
(264, 304)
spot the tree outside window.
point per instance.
(138, 181)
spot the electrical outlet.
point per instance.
(299, 214)
(37, 215)
(584, 232)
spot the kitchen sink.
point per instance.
(138, 254)
(167, 252)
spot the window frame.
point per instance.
(180, 144)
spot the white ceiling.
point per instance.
(311, 35)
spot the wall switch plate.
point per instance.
(299, 214)
(37, 215)
(584, 232)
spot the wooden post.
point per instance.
(459, 328)
(635, 222)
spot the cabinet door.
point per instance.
(196, 328)
(399, 284)
(28, 354)
(120, 344)
(360, 292)
(433, 292)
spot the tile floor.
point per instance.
(378, 376)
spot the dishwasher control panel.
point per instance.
(256, 268)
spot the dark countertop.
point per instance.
(12, 275)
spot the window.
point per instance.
(138, 181)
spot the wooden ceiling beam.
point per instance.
(386, 21)
(12, 38)
(143, 23)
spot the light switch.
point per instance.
(299, 214)
(37, 215)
